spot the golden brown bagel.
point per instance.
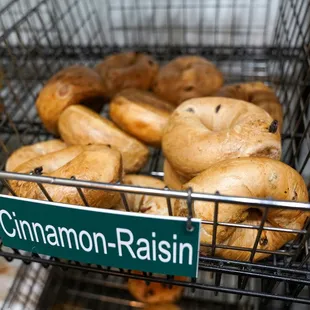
(248, 177)
(28, 152)
(72, 85)
(141, 114)
(127, 70)
(144, 203)
(257, 93)
(204, 131)
(80, 125)
(96, 163)
(155, 292)
(187, 77)
(171, 178)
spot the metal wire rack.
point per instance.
(248, 40)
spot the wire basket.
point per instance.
(247, 40)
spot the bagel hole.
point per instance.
(189, 88)
(94, 103)
(254, 213)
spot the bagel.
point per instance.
(141, 114)
(28, 152)
(257, 93)
(155, 292)
(80, 125)
(145, 203)
(247, 177)
(187, 77)
(97, 163)
(203, 131)
(72, 85)
(171, 178)
(127, 70)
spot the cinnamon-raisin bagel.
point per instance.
(96, 163)
(257, 93)
(127, 70)
(141, 114)
(187, 77)
(155, 292)
(203, 131)
(171, 178)
(144, 203)
(72, 85)
(247, 177)
(28, 152)
(80, 125)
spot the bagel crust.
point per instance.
(28, 152)
(141, 114)
(144, 203)
(127, 70)
(80, 125)
(171, 178)
(187, 77)
(97, 163)
(72, 85)
(257, 93)
(247, 177)
(204, 131)
(155, 292)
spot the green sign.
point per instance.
(110, 238)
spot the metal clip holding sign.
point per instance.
(189, 225)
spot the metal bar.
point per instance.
(215, 224)
(81, 194)
(168, 203)
(8, 186)
(158, 192)
(237, 225)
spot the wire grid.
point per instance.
(37, 39)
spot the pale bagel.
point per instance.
(28, 152)
(95, 163)
(247, 177)
(80, 125)
(204, 131)
(141, 114)
(257, 93)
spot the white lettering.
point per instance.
(104, 243)
(174, 251)
(190, 253)
(85, 233)
(154, 246)
(52, 235)
(18, 230)
(34, 227)
(145, 249)
(127, 244)
(164, 251)
(68, 232)
(22, 225)
(12, 234)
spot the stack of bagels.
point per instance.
(214, 137)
